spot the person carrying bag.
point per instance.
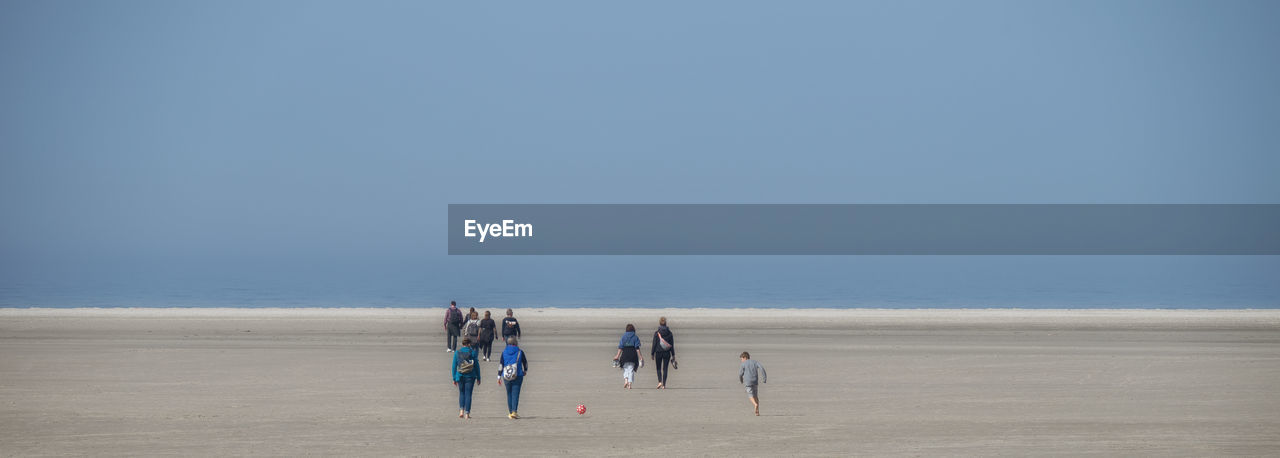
(663, 351)
(514, 367)
(466, 375)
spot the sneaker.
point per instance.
(511, 415)
(515, 415)
(448, 350)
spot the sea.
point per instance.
(893, 282)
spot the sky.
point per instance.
(232, 132)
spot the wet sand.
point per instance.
(879, 382)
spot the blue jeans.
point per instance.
(513, 393)
(465, 387)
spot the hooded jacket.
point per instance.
(509, 356)
(629, 339)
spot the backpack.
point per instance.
(472, 329)
(455, 316)
(511, 371)
(465, 366)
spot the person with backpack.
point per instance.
(466, 375)
(452, 326)
(514, 366)
(628, 355)
(486, 334)
(663, 351)
(471, 331)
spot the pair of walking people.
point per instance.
(511, 371)
(462, 325)
(663, 352)
(480, 332)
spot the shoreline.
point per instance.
(1253, 318)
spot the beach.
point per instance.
(111, 382)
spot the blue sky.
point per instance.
(239, 130)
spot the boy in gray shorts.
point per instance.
(747, 375)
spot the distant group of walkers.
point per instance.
(663, 352)
(478, 335)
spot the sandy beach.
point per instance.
(841, 382)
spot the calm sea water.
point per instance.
(661, 281)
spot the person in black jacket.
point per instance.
(510, 327)
(486, 335)
(663, 350)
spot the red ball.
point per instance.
(582, 409)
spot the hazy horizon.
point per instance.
(195, 152)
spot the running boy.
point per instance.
(747, 375)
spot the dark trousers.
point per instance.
(451, 340)
(660, 361)
(513, 392)
(465, 387)
(487, 346)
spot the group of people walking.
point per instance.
(475, 332)
(478, 334)
(662, 350)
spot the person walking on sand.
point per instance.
(466, 375)
(486, 335)
(471, 331)
(514, 366)
(747, 376)
(452, 325)
(628, 355)
(510, 327)
(663, 351)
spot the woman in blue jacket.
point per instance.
(513, 355)
(466, 375)
(628, 355)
